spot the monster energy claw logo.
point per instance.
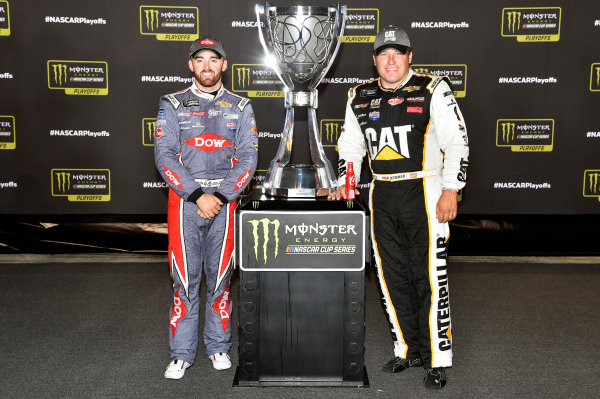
(332, 132)
(255, 204)
(64, 181)
(514, 20)
(265, 233)
(421, 70)
(598, 76)
(593, 186)
(151, 129)
(508, 132)
(60, 73)
(243, 76)
(151, 19)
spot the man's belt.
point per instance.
(406, 176)
(209, 182)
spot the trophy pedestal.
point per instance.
(301, 300)
(298, 181)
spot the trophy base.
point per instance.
(298, 181)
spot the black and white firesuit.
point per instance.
(204, 144)
(416, 141)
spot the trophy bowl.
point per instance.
(301, 42)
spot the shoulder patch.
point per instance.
(173, 100)
(351, 94)
(242, 104)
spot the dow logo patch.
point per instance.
(525, 135)
(532, 24)
(591, 183)
(169, 23)
(255, 80)
(595, 77)
(4, 19)
(362, 25)
(148, 131)
(8, 139)
(81, 184)
(88, 78)
(457, 73)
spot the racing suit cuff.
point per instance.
(221, 197)
(193, 197)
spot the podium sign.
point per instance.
(301, 304)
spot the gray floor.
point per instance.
(73, 329)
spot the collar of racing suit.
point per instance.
(206, 96)
(401, 84)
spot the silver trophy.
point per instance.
(302, 42)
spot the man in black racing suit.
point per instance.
(410, 126)
(206, 150)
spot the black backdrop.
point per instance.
(80, 82)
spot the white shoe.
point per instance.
(176, 369)
(220, 361)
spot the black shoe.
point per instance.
(435, 378)
(398, 364)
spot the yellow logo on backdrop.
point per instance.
(169, 23)
(4, 19)
(532, 24)
(88, 78)
(525, 135)
(8, 139)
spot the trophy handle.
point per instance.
(340, 34)
(264, 29)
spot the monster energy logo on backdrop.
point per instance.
(591, 183)
(332, 132)
(525, 135)
(514, 20)
(63, 181)
(595, 77)
(4, 19)
(60, 73)
(243, 77)
(456, 73)
(148, 131)
(151, 19)
(265, 224)
(508, 132)
(421, 70)
(532, 24)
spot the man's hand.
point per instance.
(208, 206)
(446, 206)
(340, 193)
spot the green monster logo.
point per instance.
(243, 76)
(60, 73)
(598, 76)
(593, 183)
(64, 181)
(332, 131)
(151, 19)
(151, 125)
(421, 70)
(508, 132)
(265, 233)
(514, 20)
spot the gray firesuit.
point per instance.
(204, 144)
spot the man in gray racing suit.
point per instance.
(413, 132)
(206, 149)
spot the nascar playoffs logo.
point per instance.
(255, 80)
(330, 130)
(7, 132)
(595, 77)
(148, 131)
(591, 183)
(525, 135)
(81, 184)
(4, 19)
(532, 24)
(362, 25)
(79, 77)
(457, 73)
(169, 23)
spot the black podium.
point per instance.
(301, 301)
